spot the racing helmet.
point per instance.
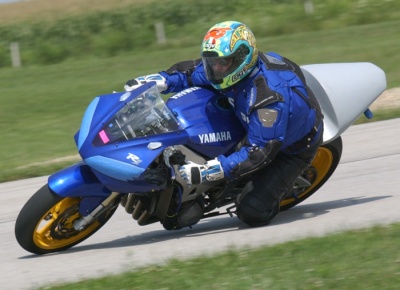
(229, 53)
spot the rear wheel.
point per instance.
(45, 223)
(323, 166)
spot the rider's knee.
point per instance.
(254, 212)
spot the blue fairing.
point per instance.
(123, 136)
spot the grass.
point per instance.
(376, 43)
(41, 106)
(57, 31)
(359, 259)
(52, 10)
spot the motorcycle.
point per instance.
(132, 144)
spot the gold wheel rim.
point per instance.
(55, 229)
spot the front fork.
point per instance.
(83, 222)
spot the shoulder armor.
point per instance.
(274, 60)
(274, 63)
(265, 95)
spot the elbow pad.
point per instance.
(258, 158)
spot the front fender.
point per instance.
(77, 180)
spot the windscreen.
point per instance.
(143, 116)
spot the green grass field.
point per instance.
(52, 10)
(359, 259)
(51, 32)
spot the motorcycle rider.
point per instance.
(281, 116)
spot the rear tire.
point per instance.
(45, 223)
(323, 166)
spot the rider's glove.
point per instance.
(135, 83)
(194, 173)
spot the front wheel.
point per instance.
(45, 224)
(321, 169)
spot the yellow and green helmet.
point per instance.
(230, 44)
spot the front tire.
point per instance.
(45, 223)
(321, 169)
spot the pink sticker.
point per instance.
(104, 137)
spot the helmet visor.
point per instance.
(217, 68)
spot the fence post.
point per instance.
(15, 55)
(160, 33)
(309, 7)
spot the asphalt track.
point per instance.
(363, 191)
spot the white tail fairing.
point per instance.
(344, 91)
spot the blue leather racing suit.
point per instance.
(283, 125)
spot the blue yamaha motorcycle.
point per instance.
(133, 143)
